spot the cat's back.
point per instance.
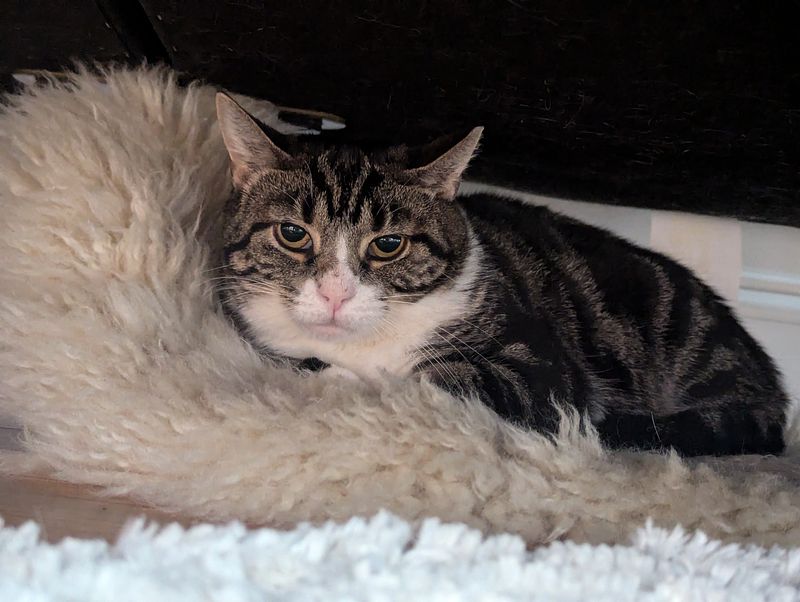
(641, 320)
(494, 216)
(600, 276)
(518, 230)
(513, 230)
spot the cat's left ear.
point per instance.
(443, 174)
(249, 147)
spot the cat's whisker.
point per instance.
(464, 320)
(402, 298)
(432, 362)
(392, 213)
(217, 268)
(479, 329)
(250, 287)
(401, 295)
(461, 353)
(312, 190)
(282, 191)
(235, 278)
(389, 326)
(226, 278)
(430, 356)
(467, 345)
(235, 293)
(430, 353)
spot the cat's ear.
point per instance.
(443, 173)
(249, 147)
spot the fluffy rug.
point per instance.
(385, 558)
(116, 358)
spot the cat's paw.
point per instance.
(339, 372)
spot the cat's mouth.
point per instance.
(328, 329)
(331, 329)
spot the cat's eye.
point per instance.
(387, 247)
(293, 237)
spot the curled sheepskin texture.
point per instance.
(116, 358)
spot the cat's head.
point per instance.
(333, 243)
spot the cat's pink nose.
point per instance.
(335, 294)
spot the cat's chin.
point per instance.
(330, 330)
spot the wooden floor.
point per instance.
(63, 509)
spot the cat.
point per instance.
(367, 262)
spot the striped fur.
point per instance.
(570, 312)
(521, 306)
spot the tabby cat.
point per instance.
(368, 263)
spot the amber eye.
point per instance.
(387, 247)
(293, 237)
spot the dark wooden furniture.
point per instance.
(685, 105)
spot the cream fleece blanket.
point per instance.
(383, 559)
(115, 356)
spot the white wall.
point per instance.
(755, 267)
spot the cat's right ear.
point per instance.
(443, 173)
(249, 147)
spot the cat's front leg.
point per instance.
(507, 392)
(457, 378)
(339, 372)
(313, 364)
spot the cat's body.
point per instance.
(625, 334)
(369, 263)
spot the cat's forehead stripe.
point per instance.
(346, 183)
(320, 185)
(380, 215)
(349, 176)
(369, 184)
(307, 207)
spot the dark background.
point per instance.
(683, 105)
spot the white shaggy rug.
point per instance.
(116, 358)
(383, 559)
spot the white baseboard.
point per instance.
(769, 296)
